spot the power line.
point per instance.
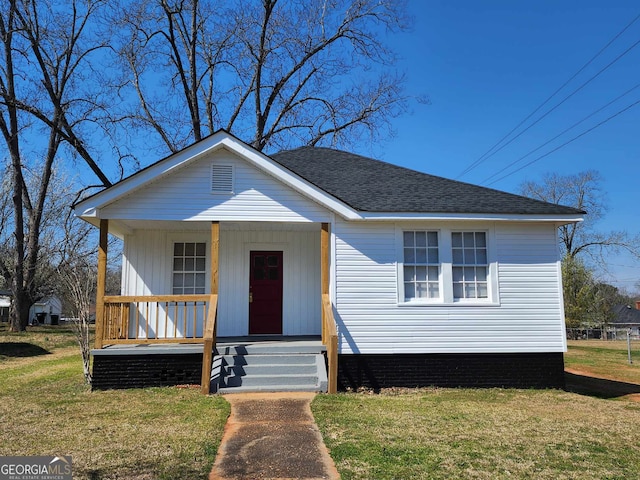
(567, 142)
(561, 133)
(490, 152)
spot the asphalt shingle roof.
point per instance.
(626, 314)
(370, 185)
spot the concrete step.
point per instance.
(297, 359)
(266, 372)
(271, 348)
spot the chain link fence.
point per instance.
(603, 333)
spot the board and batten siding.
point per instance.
(186, 195)
(147, 264)
(528, 316)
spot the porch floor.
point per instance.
(223, 345)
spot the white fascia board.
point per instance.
(90, 207)
(391, 216)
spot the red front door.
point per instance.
(265, 293)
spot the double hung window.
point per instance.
(445, 266)
(421, 265)
(469, 264)
(189, 268)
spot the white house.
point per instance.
(46, 310)
(430, 281)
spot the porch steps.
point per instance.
(269, 367)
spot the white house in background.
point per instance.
(431, 281)
(46, 311)
(5, 304)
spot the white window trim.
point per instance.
(446, 267)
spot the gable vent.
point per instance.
(221, 178)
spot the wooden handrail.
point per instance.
(155, 298)
(209, 345)
(330, 340)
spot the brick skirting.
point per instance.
(140, 371)
(518, 370)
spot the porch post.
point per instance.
(102, 278)
(215, 246)
(210, 327)
(324, 252)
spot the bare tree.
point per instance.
(276, 72)
(582, 191)
(43, 102)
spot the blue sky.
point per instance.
(487, 65)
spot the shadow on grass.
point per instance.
(598, 387)
(21, 349)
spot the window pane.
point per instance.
(189, 280)
(189, 249)
(470, 290)
(457, 256)
(200, 280)
(457, 290)
(481, 239)
(432, 239)
(258, 261)
(409, 255)
(421, 239)
(433, 273)
(189, 264)
(188, 291)
(409, 291)
(481, 274)
(273, 274)
(258, 273)
(421, 290)
(456, 239)
(408, 239)
(421, 274)
(434, 290)
(468, 239)
(178, 265)
(457, 274)
(433, 255)
(200, 264)
(482, 290)
(409, 274)
(481, 256)
(178, 249)
(272, 260)
(199, 290)
(469, 256)
(177, 280)
(421, 255)
(201, 249)
(469, 274)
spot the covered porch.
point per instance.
(221, 302)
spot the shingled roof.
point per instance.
(370, 185)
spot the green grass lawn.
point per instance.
(156, 433)
(606, 359)
(480, 434)
(490, 433)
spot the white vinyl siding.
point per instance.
(186, 195)
(527, 316)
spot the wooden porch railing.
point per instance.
(330, 340)
(154, 319)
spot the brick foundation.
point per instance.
(519, 370)
(140, 371)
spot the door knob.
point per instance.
(250, 297)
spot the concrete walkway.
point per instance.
(272, 436)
